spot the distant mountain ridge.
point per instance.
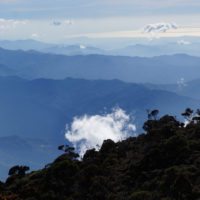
(190, 89)
(52, 103)
(151, 50)
(71, 50)
(161, 69)
(135, 47)
(28, 44)
(63, 49)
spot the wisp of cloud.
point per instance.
(89, 132)
(159, 27)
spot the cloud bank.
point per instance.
(10, 23)
(89, 132)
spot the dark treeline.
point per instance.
(162, 164)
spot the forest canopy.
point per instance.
(161, 164)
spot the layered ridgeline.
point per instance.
(126, 47)
(161, 69)
(41, 108)
(34, 113)
(161, 164)
(190, 88)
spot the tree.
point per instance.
(13, 170)
(196, 118)
(198, 112)
(152, 114)
(187, 114)
(18, 170)
(69, 151)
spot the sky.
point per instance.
(58, 20)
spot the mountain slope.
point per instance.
(71, 50)
(161, 164)
(169, 48)
(6, 71)
(42, 107)
(190, 88)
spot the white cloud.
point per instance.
(35, 35)
(181, 83)
(159, 27)
(62, 22)
(88, 132)
(68, 22)
(82, 46)
(10, 23)
(57, 23)
(97, 28)
(183, 42)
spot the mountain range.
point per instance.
(34, 113)
(190, 88)
(132, 47)
(37, 99)
(42, 107)
(161, 69)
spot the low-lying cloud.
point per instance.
(183, 42)
(63, 22)
(89, 132)
(10, 23)
(181, 83)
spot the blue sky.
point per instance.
(34, 9)
(56, 20)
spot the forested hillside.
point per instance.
(162, 164)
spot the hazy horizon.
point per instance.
(58, 21)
